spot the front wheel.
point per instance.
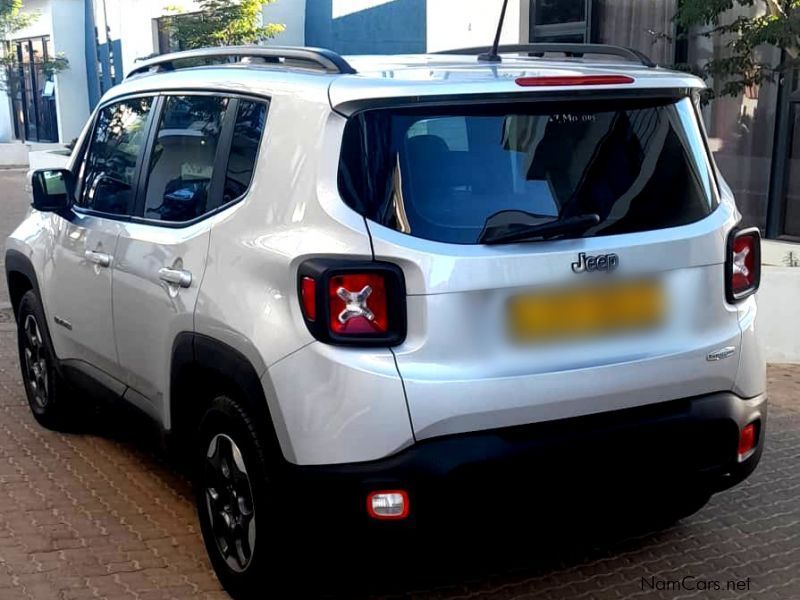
(44, 387)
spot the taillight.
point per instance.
(357, 303)
(567, 80)
(743, 266)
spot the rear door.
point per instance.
(199, 161)
(602, 219)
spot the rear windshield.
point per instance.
(452, 174)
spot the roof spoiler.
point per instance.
(568, 50)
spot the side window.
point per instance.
(182, 162)
(249, 127)
(112, 159)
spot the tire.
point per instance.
(236, 502)
(48, 394)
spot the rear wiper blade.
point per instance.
(551, 229)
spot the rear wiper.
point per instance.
(550, 229)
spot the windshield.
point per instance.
(446, 174)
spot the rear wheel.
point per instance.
(44, 387)
(235, 494)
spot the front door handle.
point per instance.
(98, 258)
(177, 277)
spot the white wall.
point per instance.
(466, 23)
(72, 94)
(291, 13)
(131, 21)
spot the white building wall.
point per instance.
(131, 21)
(467, 23)
(292, 14)
(72, 93)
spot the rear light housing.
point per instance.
(353, 303)
(743, 264)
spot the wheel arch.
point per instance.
(203, 366)
(21, 277)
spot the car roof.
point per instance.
(419, 76)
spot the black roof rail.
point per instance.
(313, 58)
(569, 50)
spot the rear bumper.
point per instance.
(670, 446)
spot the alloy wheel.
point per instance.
(229, 502)
(36, 367)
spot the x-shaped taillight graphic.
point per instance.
(355, 304)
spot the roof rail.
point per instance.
(313, 58)
(569, 50)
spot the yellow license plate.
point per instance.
(579, 312)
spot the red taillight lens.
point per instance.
(358, 304)
(744, 264)
(566, 80)
(308, 294)
(747, 439)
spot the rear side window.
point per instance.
(449, 174)
(112, 160)
(182, 162)
(250, 120)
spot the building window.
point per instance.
(166, 40)
(560, 21)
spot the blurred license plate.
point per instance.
(579, 312)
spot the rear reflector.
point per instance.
(387, 504)
(567, 80)
(747, 439)
(308, 292)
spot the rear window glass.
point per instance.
(449, 174)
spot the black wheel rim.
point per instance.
(229, 502)
(36, 367)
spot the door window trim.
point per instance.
(82, 210)
(221, 158)
(136, 211)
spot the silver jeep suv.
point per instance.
(359, 289)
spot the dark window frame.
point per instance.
(439, 103)
(87, 147)
(145, 153)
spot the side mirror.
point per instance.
(52, 189)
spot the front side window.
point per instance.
(182, 162)
(114, 153)
(470, 175)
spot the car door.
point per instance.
(79, 277)
(161, 256)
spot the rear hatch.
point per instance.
(563, 254)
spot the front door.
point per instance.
(162, 256)
(86, 243)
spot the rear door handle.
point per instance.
(177, 277)
(98, 258)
